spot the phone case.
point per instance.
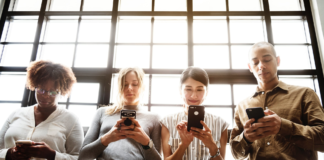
(255, 113)
(24, 142)
(195, 115)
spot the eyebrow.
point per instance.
(198, 86)
(267, 55)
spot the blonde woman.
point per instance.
(109, 138)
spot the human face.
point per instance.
(45, 100)
(193, 92)
(263, 64)
(131, 89)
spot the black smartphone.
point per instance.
(128, 114)
(255, 113)
(195, 115)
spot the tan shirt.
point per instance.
(302, 125)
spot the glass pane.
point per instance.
(58, 53)
(210, 31)
(19, 31)
(163, 111)
(61, 31)
(127, 56)
(218, 94)
(247, 31)
(6, 110)
(246, 5)
(298, 81)
(12, 87)
(293, 57)
(65, 5)
(97, 5)
(320, 156)
(243, 91)
(94, 31)
(114, 89)
(134, 31)
(165, 89)
(85, 93)
(170, 31)
(170, 5)
(209, 5)
(162, 56)
(225, 113)
(135, 5)
(211, 57)
(240, 57)
(11, 52)
(30, 5)
(85, 113)
(92, 55)
(284, 5)
(228, 153)
(288, 31)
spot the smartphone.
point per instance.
(255, 113)
(195, 115)
(24, 142)
(128, 114)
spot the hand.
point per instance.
(186, 137)
(115, 133)
(13, 154)
(204, 135)
(38, 150)
(137, 133)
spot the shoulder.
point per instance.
(214, 118)
(67, 114)
(150, 115)
(172, 116)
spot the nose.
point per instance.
(130, 87)
(194, 94)
(261, 65)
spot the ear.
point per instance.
(250, 67)
(278, 61)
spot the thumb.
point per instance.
(268, 112)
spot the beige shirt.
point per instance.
(302, 125)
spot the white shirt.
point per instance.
(196, 150)
(62, 131)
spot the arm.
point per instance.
(3, 150)
(155, 152)
(223, 142)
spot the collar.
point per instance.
(281, 85)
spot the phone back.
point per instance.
(255, 113)
(195, 115)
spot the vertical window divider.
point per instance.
(233, 105)
(190, 33)
(4, 16)
(228, 35)
(267, 16)
(77, 36)
(151, 60)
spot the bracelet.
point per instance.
(216, 155)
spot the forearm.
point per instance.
(152, 153)
(213, 151)
(178, 154)
(92, 150)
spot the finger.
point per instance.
(135, 122)
(39, 143)
(249, 122)
(128, 132)
(269, 112)
(119, 122)
(196, 129)
(205, 125)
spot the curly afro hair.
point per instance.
(41, 71)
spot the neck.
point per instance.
(266, 86)
(132, 107)
(46, 110)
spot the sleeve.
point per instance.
(155, 152)
(92, 146)
(240, 148)
(5, 127)
(73, 143)
(310, 135)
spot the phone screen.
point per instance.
(255, 113)
(195, 115)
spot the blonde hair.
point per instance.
(119, 105)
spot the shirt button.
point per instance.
(193, 148)
(268, 143)
(242, 152)
(262, 92)
(266, 107)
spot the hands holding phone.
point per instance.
(205, 135)
(186, 137)
(35, 149)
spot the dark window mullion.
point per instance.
(190, 33)
(151, 60)
(267, 17)
(229, 35)
(4, 16)
(77, 36)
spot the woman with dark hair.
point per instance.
(54, 132)
(203, 144)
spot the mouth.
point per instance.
(42, 102)
(193, 101)
(263, 73)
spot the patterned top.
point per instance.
(196, 150)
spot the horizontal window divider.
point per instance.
(10, 101)
(23, 13)
(150, 43)
(76, 103)
(12, 69)
(90, 79)
(293, 44)
(208, 44)
(6, 43)
(90, 71)
(74, 43)
(77, 13)
(287, 13)
(230, 13)
(180, 105)
(297, 72)
(166, 105)
(150, 13)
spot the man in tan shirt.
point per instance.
(293, 127)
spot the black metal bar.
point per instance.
(4, 16)
(190, 33)
(316, 52)
(10, 101)
(287, 13)
(267, 17)
(228, 35)
(78, 13)
(23, 13)
(75, 103)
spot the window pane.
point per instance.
(135, 5)
(243, 91)
(246, 31)
(218, 94)
(30, 5)
(58, 53)
(127, 56)
(211, 57)
(210, 31)
(293, 57)
(11, 52)
(246, 5)
(173, 57)
(20, 31)
(85, 93)
(170, 31)
(288, 31)
(284, 5)
(163, 111)
(134, 31)
(12, 87)
(170, 5)
(61, 31)
(225, 113)
(65, 5)
(209, 5)
(94, 31)
(97, 5)
(165, 89)
(6, 110)
(298, 81)
(240, 57)
(85, 113)
(91, 55)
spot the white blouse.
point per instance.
(196, 150)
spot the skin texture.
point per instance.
(193, 93)
(263, 65)
(131, 97)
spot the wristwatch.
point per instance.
(216, 155)
(150, 145)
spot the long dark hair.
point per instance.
(195, 73)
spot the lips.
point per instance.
(193, 101)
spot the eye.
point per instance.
(135, 84)
(188, 89)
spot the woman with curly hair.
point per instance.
(54, 132)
